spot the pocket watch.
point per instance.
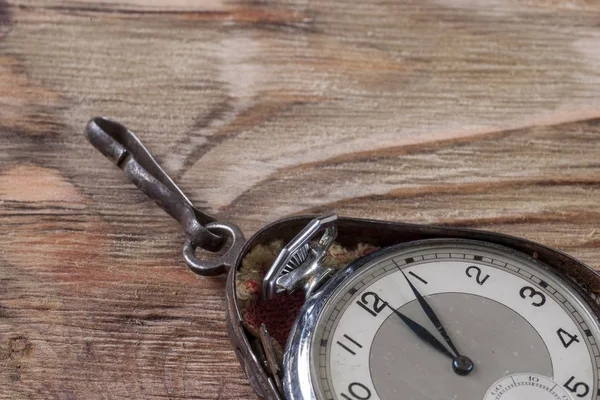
(337, 308)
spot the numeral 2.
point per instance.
(372, 303)
(575, 388)
(358, 391)
(478, 278)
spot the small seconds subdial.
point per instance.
(526, 387)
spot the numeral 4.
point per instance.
(566, 338)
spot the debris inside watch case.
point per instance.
(279, 313)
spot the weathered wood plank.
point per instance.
(481, 114)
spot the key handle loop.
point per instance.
(123, 148)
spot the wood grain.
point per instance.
(459, 112)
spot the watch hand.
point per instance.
(422, 333)
(430, 314)
(461, 364)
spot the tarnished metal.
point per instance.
(271, 366)
(299, 263)
(122, 147)
(351, 231)
(256, 353)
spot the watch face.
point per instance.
(460, 320)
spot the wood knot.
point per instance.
(13, 351)
(18, 347)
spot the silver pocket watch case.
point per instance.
(255, 352)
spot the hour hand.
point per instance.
(422, 333)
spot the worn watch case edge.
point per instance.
(584, 280)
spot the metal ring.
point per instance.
(222, 263)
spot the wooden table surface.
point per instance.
(464, 113)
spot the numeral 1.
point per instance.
(417, 276)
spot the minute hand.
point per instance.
(430, 314)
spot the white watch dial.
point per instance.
(505, 312)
